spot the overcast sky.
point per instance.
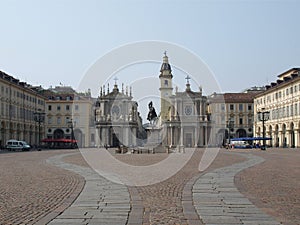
(243, 43)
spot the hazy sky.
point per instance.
(244, 43)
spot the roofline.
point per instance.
(288, 71)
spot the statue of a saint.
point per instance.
(152, 114)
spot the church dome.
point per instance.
(165, 65)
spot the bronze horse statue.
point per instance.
(152, 114)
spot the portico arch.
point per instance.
(241, 133)
(270, 134)
(222, 136)
(58, 134)
(79, 137)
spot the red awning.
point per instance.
(62, 140)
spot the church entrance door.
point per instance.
(115, 140)
(188, 141)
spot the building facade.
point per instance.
(117, 118)
(281, 102)
(70, 115)
(19, 102)
(233, 114)
(184, 118)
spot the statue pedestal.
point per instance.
(154, 139)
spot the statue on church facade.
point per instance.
(152, 114)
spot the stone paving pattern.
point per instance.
(274, 185)
(31, 190)
(218, 201)
(100, 202)
(162, 202)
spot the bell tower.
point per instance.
(165, 87)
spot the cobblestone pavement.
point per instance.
(274, 184)
(31, 189)
(100, 202)
(165, 202)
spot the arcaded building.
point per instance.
(19, 102)
(68, 111)
(233, 114)
(281, 103)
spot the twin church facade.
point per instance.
(183, 119)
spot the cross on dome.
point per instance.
(188, 79)
(116, 79)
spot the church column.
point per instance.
(201, 141)
(181, 136)
(196, 136)
(97, 137)
(171, 136)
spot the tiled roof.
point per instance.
(233, 97)
(239, 97)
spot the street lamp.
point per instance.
(230, 125)
(71, 124)
(39, 117)
(264, 116)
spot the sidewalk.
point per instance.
(100, 202)
(218, 201)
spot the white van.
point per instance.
(13, 145)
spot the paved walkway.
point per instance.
(100, 202)
(214, 199)
(218, 201)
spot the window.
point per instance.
(249, 107)
(241, 120)
(223, 107)
(58, 108)
(49, 107)
(249, 121)
(67, 107)
(241, 107)
(76, 107)
(49, 120)
(58, 120)
(166, 82)
(231, 107)
(222, 119)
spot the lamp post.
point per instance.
(71, 124)
(263, 116)
(39, 117)
(230, 125)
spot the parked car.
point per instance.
(13, 145)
